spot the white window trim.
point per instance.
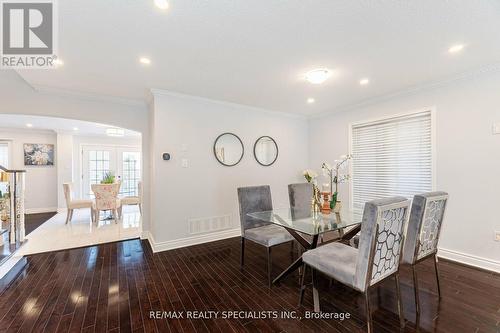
(9, 152)
(431, 109)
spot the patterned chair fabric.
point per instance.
(426, 218)
(257, 199)
(380, 246)
(106, 196)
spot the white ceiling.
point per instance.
(254, 52)
(59, 125)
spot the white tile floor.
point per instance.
(55, 235)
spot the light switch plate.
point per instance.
(496, 128)
(184, 163)
(497, 236)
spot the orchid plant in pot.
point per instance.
(338, 175)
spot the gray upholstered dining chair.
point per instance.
(300, 196)
(257, 199)
(422, 236)
(376, 259)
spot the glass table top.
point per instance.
(303, 220)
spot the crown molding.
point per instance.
(168, 93)
(88, 96)
(484, 70)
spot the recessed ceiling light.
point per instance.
(364, 81)
(162, 4)
(117, 132)
(456, 48)
(317, 76)
(145, 61)
(58, 62)
(311, 100)
(75, 128)
(29, 125)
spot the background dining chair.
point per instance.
(422, 236)
(132, 200)
(72, 203)
(106, 198)
(299, 196)
(257, 199)
(376, 259)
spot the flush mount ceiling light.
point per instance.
(162, 4)
(29, 125)
(75, 128)
(145, 61)
(456, 48)
(317, 76)
(364, 81)
(116, 132)
(311, 100)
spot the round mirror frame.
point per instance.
(242, 149)
(255, 146)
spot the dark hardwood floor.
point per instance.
(113, 287)
(33, 221)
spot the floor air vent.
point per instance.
(209, 224)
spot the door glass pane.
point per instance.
(131, 174)
(98, 166)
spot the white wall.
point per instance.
(41, 195)
(467, 158)
(207, 188)
(17, 97)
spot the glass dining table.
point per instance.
(306, 227)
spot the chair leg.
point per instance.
(68, 216)
(292, 248)
(400, 304)
(116, 215)
(242, 254)
(302, 286)
(437, 275)
(269, 266)
(315, 290)
(71, 214)
(415, 289)
(140, 209)
(369, 323)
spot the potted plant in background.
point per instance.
(109, 178)
(338, 175)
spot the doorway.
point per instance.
(122, 161)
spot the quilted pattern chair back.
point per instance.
(381, 240)
(253, 199)
(68, 192)
(426, 218)
(106, 195)
(300, 196)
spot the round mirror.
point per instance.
(265, 150)
(228, 149)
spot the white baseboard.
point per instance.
(188, 241)
(470, 260)
(40, 210)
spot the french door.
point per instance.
(123, 162)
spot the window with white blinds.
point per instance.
(4, 154)
(391, 157)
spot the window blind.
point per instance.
(4, 154)
(391, 157)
